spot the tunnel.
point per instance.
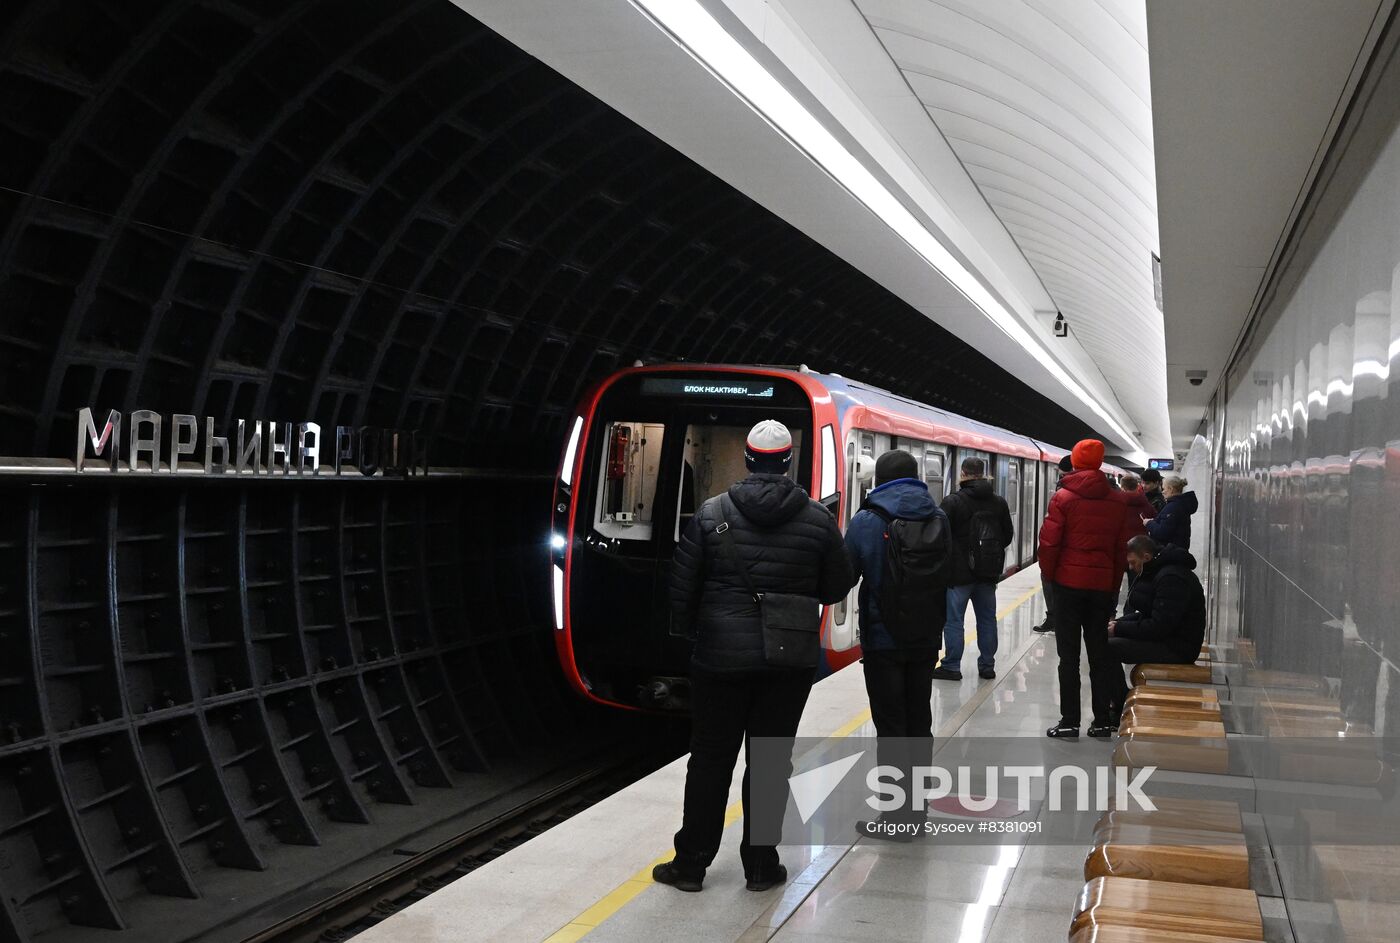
(224, 693)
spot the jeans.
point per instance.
(1085, 613)
(899, 684)
(984, 606)
(726, 711)
(1134, 651)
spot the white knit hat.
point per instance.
(769, 445)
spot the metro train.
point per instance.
(649, 444)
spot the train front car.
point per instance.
(648, 447)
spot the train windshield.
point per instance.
(660, 445)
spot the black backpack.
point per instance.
(986, 554)
(918, 566)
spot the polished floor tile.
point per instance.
(873, 915)
(1019, 925)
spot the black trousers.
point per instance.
(727, 710)
(1047, 588)
(899, 684)
(1134, 651)
(1084, 613)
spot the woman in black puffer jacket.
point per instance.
(1172, 525)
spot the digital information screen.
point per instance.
(710, 389)
(1162, 464)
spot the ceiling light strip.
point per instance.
(697, 32)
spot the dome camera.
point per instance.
(1195, 377)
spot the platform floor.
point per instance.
(590, 878)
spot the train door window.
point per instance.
(1028, 518)
(843, 608)
(934, 471)
(989, 469)
(867, 453)
(631, 464)
(711, 461)
(1009, 483)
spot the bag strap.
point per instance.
(878, 511)
(731, 552)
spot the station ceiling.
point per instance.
(387, 214)
(1018, 134)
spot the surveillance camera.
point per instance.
(1195, 377)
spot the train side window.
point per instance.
(631, 464)
(1012, 485)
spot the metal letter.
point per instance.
(248, 448)
(275, 448)
(345, 447)
(180, 444)
(87, 434)
(309, 447)
(138, 444)
(212, 442)
(418, 453)
(369, 450)
(389, 445)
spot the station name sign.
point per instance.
(180, 443)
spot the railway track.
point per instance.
(341, 916)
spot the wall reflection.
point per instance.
(1305, 583)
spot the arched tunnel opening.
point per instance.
(222, 694)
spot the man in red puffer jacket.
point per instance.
(1084, 553)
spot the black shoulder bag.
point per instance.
(791, 623)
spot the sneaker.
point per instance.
(1102, 729)
(682, 879)
(1063, 731)
(943, 674)
(764, 878)
(986, 674)
(1043, 627)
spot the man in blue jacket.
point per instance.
(899, 652)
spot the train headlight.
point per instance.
(566, 474)
(558, 597)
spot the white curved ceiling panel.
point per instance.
(1047, 103)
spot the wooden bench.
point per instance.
(1109, 933)
(1191, 674)
(1163, 853)
(1135, 751)
(1212, 815)
(1148, 712)
(1229, 912)
(1149, 693)
(1154, 726)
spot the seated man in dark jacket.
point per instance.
(787, 543)
(1165, 621)
(898, 660)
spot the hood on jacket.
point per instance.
(905, 498)
(1087, 483)
(978, 488)
(1187, 500)
(1172, 555)
(768, 500)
